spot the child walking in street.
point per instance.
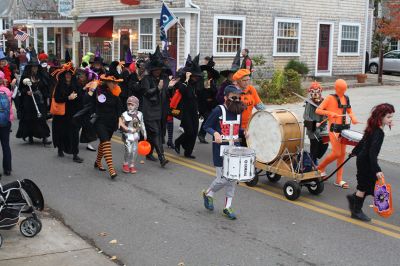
(131, 123)
(219, 124)
(367, 151)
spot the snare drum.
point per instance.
(350, 137)
(238, 164)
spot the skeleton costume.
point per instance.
(133, 120)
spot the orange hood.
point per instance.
(340, 87)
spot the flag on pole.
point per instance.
(21, 36)
(167, 20)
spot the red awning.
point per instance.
(97, 27)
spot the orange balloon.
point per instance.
(144, 147)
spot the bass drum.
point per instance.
(271, 132)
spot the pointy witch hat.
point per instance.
(97, 56)
(170, 62)
(210, 68)
(193, 66)
(235, 65)
(128, 57)
(156, 61)
(67, 56)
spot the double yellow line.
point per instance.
(307, 203)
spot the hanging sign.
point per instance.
(64, 7)
(131, 2)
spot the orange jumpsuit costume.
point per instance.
(337, 121)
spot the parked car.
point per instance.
(391, 62)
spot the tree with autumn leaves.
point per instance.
(389, 25)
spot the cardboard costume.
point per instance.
(337, 107)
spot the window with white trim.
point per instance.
(287, 36)
(228, 34)
(349, 39)
(146, 34)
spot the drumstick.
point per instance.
(226, 140)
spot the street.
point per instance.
(157, 216)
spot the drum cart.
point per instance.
(284, 167)
(289, 161)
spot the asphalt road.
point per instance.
(157, 216)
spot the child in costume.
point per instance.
(336, 107)
(131, 123)
(367, 151)
(312, 122)
(219, 124)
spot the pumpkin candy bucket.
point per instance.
(144, 147)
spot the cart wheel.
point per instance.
(292, 190)
(316, 188)
(273, 178)
(40, 225)
(254, 181)
(30, 227)
(1, 240)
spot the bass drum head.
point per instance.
(264, 136)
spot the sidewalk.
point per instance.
(372, 80)
(362, 100)
(54, 245)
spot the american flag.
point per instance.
(21, 36)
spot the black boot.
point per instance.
(150, 157)
(163, 161)
(202, 139)
(30, 140)
(46, 141)
(351, 199)
(177, 147)
(60, 153)
(358, 213)
(77, 159)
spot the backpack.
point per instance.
(4, 109)
(306, 165)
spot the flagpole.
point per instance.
(179, 23)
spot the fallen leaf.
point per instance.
(113, 258)
(142, 162)
(114, 241)
(103, 234)
(181, 264)
(101, 251)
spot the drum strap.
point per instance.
(231, 123)
(343, 106)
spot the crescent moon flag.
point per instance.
(167, 20)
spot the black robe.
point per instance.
(107, 114)
(30, 125)
(367, 152)
(64, 128)
(190, 117)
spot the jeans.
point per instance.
(5, 145)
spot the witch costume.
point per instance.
(64, 128)
(207, 95)
(33, 123)
(190, 118)
(154, 97)
(108, 110)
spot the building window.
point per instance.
(349, 39)
(393, 45)
(287, 37)
(228, 34)
(146, 34)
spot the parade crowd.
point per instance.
(142, 96)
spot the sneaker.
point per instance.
(132, 170)
(208, 201)
(125, 168)
(229, 213)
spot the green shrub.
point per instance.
(279, 89)
(297, 66)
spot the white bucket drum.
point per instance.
(271, 132)
(238, 164)
(350, 137)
